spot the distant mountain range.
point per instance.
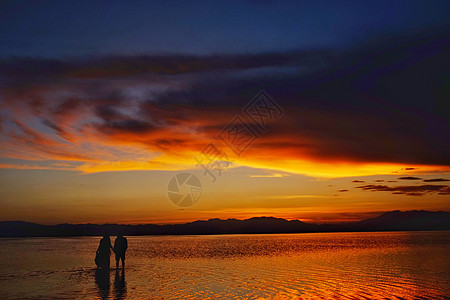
(389, 221)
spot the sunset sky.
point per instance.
(102, 103)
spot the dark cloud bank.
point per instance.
(384, 101)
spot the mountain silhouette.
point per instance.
(389, 221)
(410, 220)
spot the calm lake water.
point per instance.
(406, 265)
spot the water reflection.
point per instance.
(102, 281)
(379, 265)
(120, 285)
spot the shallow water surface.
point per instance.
(380, 265)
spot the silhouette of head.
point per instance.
(106, 236)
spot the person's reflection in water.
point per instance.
(120, 285)
(103, 283)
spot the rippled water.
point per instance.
(406, 265)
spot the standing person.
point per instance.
(120, 246)
(102, 259)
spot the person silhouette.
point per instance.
(103, 254)
(120, 247)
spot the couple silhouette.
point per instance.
(103, 254)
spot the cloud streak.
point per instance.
(436, 180)
(411, 190)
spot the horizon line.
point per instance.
(205, 220)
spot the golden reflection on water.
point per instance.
(406, 265)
